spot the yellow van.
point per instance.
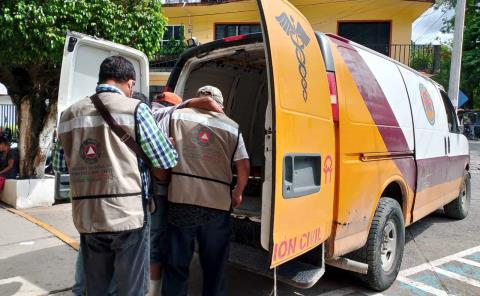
(347, 146)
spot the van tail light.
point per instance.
(332, 85)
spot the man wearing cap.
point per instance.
(163, 107)
(200, 194)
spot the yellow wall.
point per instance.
(323, 15)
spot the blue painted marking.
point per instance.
(412, 290)
(474, 257)
(462, 269)
(427, 277)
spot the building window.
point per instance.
(227, 30)
(374, 35)
(172, 32)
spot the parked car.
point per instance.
(351, 145)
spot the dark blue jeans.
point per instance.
(213, 241)
(125, 253)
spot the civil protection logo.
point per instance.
(427, 104)
(300, 40)
(90, 151)
(203, 136)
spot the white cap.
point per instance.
(214, 92)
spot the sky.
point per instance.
(427, 28)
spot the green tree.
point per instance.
(31, 47)
(470, 75)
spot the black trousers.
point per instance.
(213, 241)
(125, 253)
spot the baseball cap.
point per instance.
(214, 92)
(169, 97)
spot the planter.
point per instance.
(28, 193)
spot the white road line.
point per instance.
(346, 291)
(26, 289)
(458, 277)
(468, 261)
(422, 286)
(338, 292)
(433, 264)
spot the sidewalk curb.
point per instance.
(57, 233)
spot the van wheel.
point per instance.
(383, 251)
(458, 208)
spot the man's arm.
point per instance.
(243, 171)
(58, 161)
(156, 146)
(205, 103)
(8, 167)
(242, 164)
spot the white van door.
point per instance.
(303, 133)
(431, 144)
(82, 56)
(457, 148)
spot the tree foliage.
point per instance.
(32, 41)
(470, 76)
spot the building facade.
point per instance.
(383, 25)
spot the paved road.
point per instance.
(442, 257)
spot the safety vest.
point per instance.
(206, 143)
(105, 183)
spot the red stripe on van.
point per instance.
(379, 108)
(438, 170)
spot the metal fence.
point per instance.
(8, 120)
(162, 63)
(425, 58)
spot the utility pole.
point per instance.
(456, 66)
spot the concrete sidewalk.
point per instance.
(32, 260)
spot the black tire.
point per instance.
(459, 208)
(381, 276)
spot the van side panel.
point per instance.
(438, 182)
(376, 143)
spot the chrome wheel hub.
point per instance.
(389, 245)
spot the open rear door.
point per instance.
(303, 133)
(82, 56)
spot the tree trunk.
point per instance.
(45, 140)
(36, 136)
(25, 137)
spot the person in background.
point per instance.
(110, 185)
(200, 194)
(9, 167)
(163, 106)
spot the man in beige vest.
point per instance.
(109, 184)
(200, 194)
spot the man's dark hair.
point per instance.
(116, 68)
(4, 140)
(140, 96)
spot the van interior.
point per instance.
(240, 73)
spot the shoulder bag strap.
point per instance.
(119, 131)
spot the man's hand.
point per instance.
(237, 197)
(161, 175)
(205, 103)
(243, 171)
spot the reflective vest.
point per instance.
(105, 183)
(206, 143)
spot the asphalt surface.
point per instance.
(442, 257)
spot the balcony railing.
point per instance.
(424, 58)
(173, 2)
